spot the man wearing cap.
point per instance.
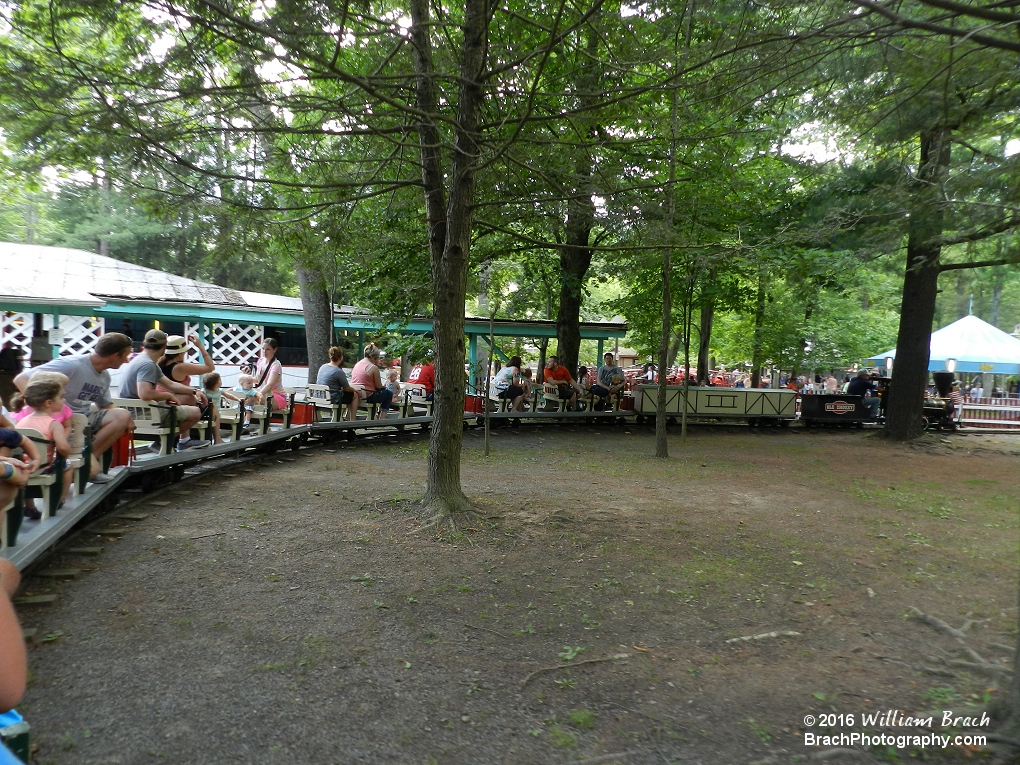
(141, 376)
(88, 383)
(863, 387)
(610, 379)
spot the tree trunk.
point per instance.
(449, 239)
(575, 259)
(705, 332)
(318, 317)
(661, 441)
(576, 253)
(905, 409)
(674, 351)
(757, 350)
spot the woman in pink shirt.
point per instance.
(366, 374)
(269, 375)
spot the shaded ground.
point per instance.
(287, 614)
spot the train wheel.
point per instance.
(671, 421)
(925, 424)
(752, 422)
(784, 423)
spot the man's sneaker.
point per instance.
(101, 478)
(190, 443)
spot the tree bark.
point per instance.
(920, 288)
(318, 317)
(705, 332)
(674, 351)
(575, 259)
(576, 253)
(757, 349)
(661, 441)
(449, 239)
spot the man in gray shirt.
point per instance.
(610, 379)
(140, 378)
(88, 383)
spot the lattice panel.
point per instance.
(81, 333)
(194, 356)
(17, 328)
(236, 343)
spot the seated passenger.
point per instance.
(45, 400)
(559, 376)
(393, 381)
(269, 376)
(246, 394)
(211, 385)
(142, 379)
(173, 365)
(526, 383)
(609, 380)
(862, 386)
(366, 373)
(507, 384)
(89, 383)
(340, 390)
(424, 375)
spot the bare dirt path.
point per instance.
(289, 614)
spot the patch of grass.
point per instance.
(582, 718)
(561, 737)
(761, 730)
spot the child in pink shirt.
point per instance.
(46, 398)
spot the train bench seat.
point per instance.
(149, 419)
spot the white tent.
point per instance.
(976, 346)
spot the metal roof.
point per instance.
(57, 272)
(69, 280)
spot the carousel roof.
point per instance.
(976, 345)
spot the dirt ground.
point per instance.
(288, 613)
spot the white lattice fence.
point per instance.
(81, 333)
(232, 343)
(17, 328)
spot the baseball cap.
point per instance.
(175, 344)
(154, 339)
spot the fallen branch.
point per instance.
(938, 624)
(986, 668)
(540, 670)
(217, 534)
(607, 757)
(938, 672)
(486, 629)
(764, 636)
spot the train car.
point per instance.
(758, 406)
(833, 410)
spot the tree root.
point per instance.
(764, 636)
(540, 670)
(986, 668)
(938, 624)
(447, 510)
(486, 629)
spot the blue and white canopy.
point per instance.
(976, 345)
